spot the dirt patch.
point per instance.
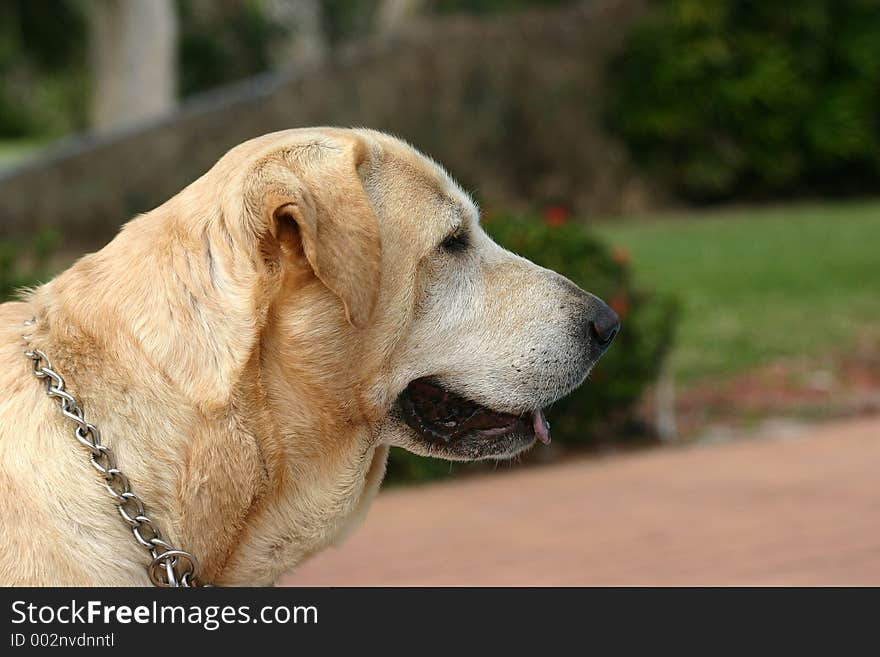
(837, 386)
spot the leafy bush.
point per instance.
(606, 399)
(738, 97)
(42, 68)
(24, 266)
(224, 42)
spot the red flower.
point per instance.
(555, 215)
(621, 255)
(620, 304)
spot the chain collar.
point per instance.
(169, 567)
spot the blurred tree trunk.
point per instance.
(133, 50)
(393, 15)
(302, 20)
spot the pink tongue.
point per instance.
(542, 427)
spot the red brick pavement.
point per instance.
(802, 510)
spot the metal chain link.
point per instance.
(169, 566)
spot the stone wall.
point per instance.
(510, 105)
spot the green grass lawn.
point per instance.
(760, 284)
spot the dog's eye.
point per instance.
(456, 242)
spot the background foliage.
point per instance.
(43, 84)
(231, 42)
(25, 265)
(742, 97)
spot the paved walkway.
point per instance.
(801, 510)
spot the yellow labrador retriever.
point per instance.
(248, 351)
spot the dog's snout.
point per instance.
(603, 323)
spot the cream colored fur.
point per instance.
(241, 347)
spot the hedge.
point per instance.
(740, 98)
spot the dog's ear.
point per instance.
(315, 194)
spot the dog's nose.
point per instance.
(604, 324)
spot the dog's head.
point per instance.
(390, 307)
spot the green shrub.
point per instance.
(740, 97)
(231, 41)
(25, 265)
(597, 409)
(43, 90)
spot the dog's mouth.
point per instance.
(442, 417)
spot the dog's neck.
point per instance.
(250, 484)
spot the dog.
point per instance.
(251, 348)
